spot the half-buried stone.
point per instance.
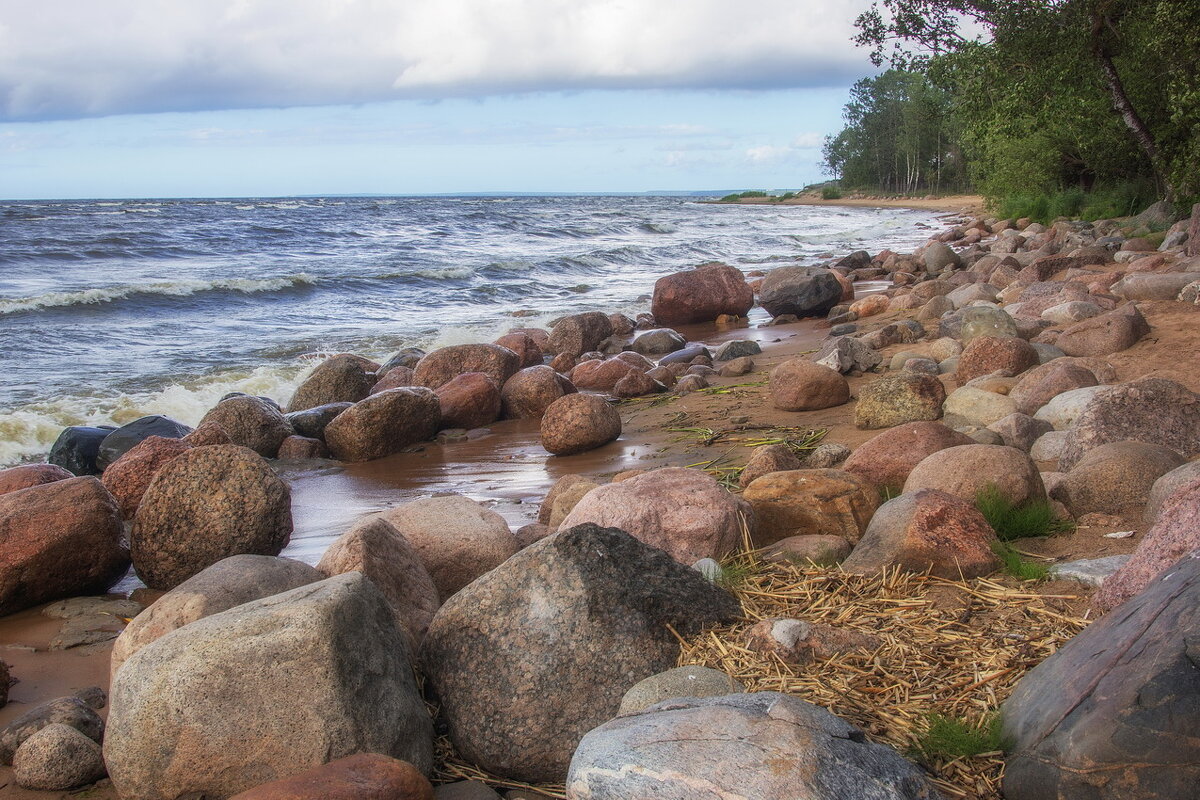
(887, 458)
(800, 385)
(534, 654)
(576, 423)
(1115, 478)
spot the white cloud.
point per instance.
(78, 58)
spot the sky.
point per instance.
(191, 98)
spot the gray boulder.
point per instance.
(341, 379)
(70, 711)
(57, 757)
(690, 681)
(1153, 410)
(845, 353)
(803, 291)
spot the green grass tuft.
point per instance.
(949, 738)
(1018, 567)
(1010, 521)
(831, 193)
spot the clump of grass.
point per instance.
(950, 738)
(1018, 567)
(831, 192)
(732, 198)
(1011, 521)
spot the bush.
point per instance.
(731, 198)
(1010, 521)
(948, 738)
(831, 193)
(1119, 201)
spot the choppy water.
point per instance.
(110, 310)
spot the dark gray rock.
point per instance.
(737, 349)
(685, 355)
(658, 342)
(802, 291)
(312, 421)
(76, 448)
(125, 438)
(65, 710)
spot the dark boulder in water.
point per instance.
(76, 449)
(311, 422)
(126, 437)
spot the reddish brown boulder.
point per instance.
(205, 505)
(530, 392)
(59, 539)
(14, 479)
(601, 376)
(437, 368)
(394, 378)
(301, 447)
(801, 385)
(251, 422)
(1175, 534)
(805, 502)
(637, 384)
(340, 379)
(871, 305)
(1117, 330)
(795, 641)
(383, 424)
(984, 355)
(129, 476)
(926, 530)
(470, 400)
(1152, 410)
(365, 776)
(524, 345)
(1042, 384)
(887, 458)
(967, 470)
(767, 459)
(635, 360)
(563, 363)
(701, 295)
(576, 423)
(578, 334)
(1115, 478)
(207, 433)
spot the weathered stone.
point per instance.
(924, 530)
(984, 355)
(682, 511)
(737, 349)
(846, 353)
(810, 501)
(826, 456)
(530, 657)
(76, 448)
(1152, 285)
(337, 639)
(601, 376)
(57, 540)
(312, 422)
(823, 550)
(25, 476)
(1089, 571)
(340, 379)
(205, 505)
(394, 378)
(691, 681)
(383, 424)
(1064, 409)
(442, 365)
(1020, 430)
(983, 321)
(561, 485)
(938, 257)
(530, 392)
(130, 475)
(764, 745)
(769, 458)
(1167, 485)
(800, 385)
(1112, 332)
(526, 345)
(659, 341)
(57, 757)
(897, 399)
(364, 776)
(737, 367)
(469, 400)
(575, 423)
(977, 406)
(579, 334)
(251, 422)
(870, 305)
(302, 447)
(802, 291)
(566, 500)
(125, 438)
(70, 711)
(889, 457)
(1152, 410)
(967, 470)
(701, 295)
(971, 293)
(1115, 478)
(1043, 383)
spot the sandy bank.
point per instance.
(957, 203)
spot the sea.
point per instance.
(114, 309)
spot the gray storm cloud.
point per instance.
(67, 59)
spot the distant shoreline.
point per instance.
(958, 203)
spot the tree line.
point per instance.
(1026, 97)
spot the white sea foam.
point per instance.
(181, 288)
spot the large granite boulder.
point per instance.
(1167, 485)
(967, 470)
(14, 479)
(251, 422)
(682, 511)
(363, 776)
(1115, 478)
(340, 379)
(808, 502)
(437, 368)
(530, 392)
(469, 400)
(526, 344)
(205, 505)
(579, 334)
(765, 745)
(229, 582)
(576, 423)
(536, 653)
(897, 399)
(801, 385)
(803, 291)
(264, 690)
(926, 530)
(59, 539)
(1152, 410)
(601, 376)
(887, 458)
(1117, 330)
(130, 475)
(1043, 383)
(984, 355)
(76, 448)
(701, 295)
(1111, 715)
(125, 438)
(383, 424)
(376, 549)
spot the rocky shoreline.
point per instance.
(1048, 368)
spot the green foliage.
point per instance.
(831, 192)
(1011, 521)
(1121, 201)
(949, 738)
(889, 493)
(733, 198)
(1018, 567)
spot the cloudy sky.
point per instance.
(136, 98)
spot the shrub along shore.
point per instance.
(881, 537)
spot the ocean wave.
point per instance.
(183, 288)
(27, 432)
(659, 227)
(433, 274)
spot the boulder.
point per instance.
(14, 479)
(802, 291)
(845, 353)
(1152, 285)
(76, 448)
(1152, 410)
(579, 334)
(658, 341)
(984, 355)
(701, 295)
(539, 651)
(983, 321)
(600, 376)
(530, 392)
(1115, 478)
(886, 459)
(1043, 383)
(56, 758)
(312, 422)
(1064, 409)
(407, 357)
(455, 538)
(60, 539)
(440, 366)
(690, 681)
(384, 424)
(738, 348)
(926, 529)
(525, 345)
(764, 745)
(1174, 535)
(1020, 430)
(800, 385)
(971, 293)
(1048, 446)
(682, 511)
(769, 458)
(938, 257)
(340, 379)
(977, 406)
(897, 399)
(565, 501)
(70, 711)
(637, 384)
(337, 639)
(130, 475)
(119, 442)
(826, 456)
(394, 378)
(560, 486)
(575, 423)
(363, 776)
(870, 305)
(376, 549)
(1167, 485)
(302, 447)
(806, 502)
(687, 355)
(1104, 717)
(1071, 312)
(205, 505)
(229, 582)
(966, 470)
(470, 400)
(251, 422)
(1112, 332)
